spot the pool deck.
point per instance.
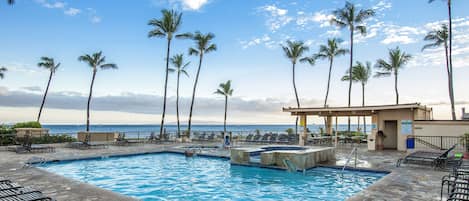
(404, 183)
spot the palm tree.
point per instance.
(353, 19)
(2, 72)
(449, 53)
(49, 64)
(225, 90)
(360, 73)
(397, 60)
(11, 2)
(95, 61)
(203, 45)
(179, 68)
(166, 27)
(329, 52)
(439, 37)
(294, 51)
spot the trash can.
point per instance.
(410, 143)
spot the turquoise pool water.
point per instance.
(168, 176)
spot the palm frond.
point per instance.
(193, 51)
(108, 66)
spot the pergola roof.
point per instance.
(352, 111)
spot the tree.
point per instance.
(294, 51)
(95, 61)
(49, 64)
(397, 61)
(360, 73)
(226, 91)
(180, 68)
(2, 72)
(203, 45)
(166, 27)
(353, 19)
(329, 52)
(438, 38)
(449, 57)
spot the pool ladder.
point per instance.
(291, 167)
(354, 152)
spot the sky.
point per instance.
(249, 35)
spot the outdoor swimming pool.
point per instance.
(168, 176)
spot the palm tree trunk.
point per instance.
(395, 87)
(193, 94)
(224, 123)
(328, 82)
(450, 83)
(350, 76)
(363, 104)
(297, 99)
(450, 36)
(89, 101)
(44, 97)
(165, 89)
(177, 104)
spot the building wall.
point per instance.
(398, 115)
(441, 128)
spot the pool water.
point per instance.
(168, 176)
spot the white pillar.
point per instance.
(304, 134)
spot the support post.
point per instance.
(336, 131)
(304, 134)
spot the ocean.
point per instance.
(236, 129)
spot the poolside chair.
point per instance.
(86, 144)
(211, 137)
(28, 147)
(122, 141)
(265, 138)
(273, 138)
(433, 158)
(248, 138)
(13, 191)
(283, 138)
(257, 138)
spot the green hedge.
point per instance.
(30, 124)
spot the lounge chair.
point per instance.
(248, 138)
(86, 144)
(433, 158)
(13, 191)
(283, 138)
(256, 138)
(273, 138)
(28, 147)
(211, 137)
(122, 141)
(265, 138)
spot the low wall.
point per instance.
(97, 136)
(33, 132)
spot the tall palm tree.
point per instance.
(225, 90)
(397, 60)
(95, 61)
(49, 64)
(203, 45)
(449, 53)
(294, 51)
(360, 73)
(353, 19)
(2, 72)
(166, 27)
(180, 68)
(329, 52)
(437, 38)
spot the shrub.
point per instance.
(29, 124)
(290, 131)
(50, 139)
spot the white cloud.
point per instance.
(382, 5)
(402, 34)
(72, 11)
(264, 40)
(276, 17)
(47, 4)
(95, 19)
(193, 4)
(304, 19)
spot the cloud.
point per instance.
(435, 56)
(140, 103)
(265, 40)
(32, 88)
(94, 18)
(402, 34)
(276, 17)
(48, 4)
(382, 5)
(72, 11)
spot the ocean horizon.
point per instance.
(171, 128)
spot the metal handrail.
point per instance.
(354, 151)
